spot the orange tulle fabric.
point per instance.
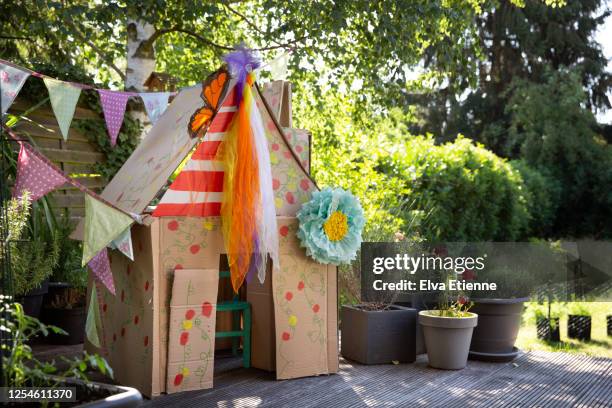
(241, 190)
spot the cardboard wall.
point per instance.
(305, 310)
(308, 343)
(127, 318)
(137, 321)
(191, 337)
(185, 243)
(263, 339)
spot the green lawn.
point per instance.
(600, 344)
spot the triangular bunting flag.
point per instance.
(64, 97)
(35, 175)
(103, 224)
(93, 319)
(100, 266)
(278, 67)
(12, 79)
(155, 103)
(113, 105)
(123, 243)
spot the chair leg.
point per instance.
(235, 327)
(246, 339)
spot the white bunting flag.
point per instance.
(123, 243)
(155, 103)
(11, 81)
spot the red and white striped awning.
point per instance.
(198, 188)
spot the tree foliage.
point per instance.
(517, 43)
(353, 65)
(553, 131)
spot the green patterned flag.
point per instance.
(103, 224)
(64, 97)
(93, 318)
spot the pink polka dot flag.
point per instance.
(100, 266)
(113, 105)
(35, 175)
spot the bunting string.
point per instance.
(64, 96)
(30, 149)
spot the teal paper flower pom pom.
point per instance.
(330, 226)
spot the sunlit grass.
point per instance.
(600, 344)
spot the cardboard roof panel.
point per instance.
(292, 183)
(156, 157)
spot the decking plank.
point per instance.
(534, 379)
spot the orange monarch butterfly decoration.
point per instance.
(213, 92)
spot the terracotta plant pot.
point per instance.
(499, 321)
(378, 337)
(447, 339)
(548, 329)
(579, 327)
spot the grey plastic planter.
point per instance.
(125, 397)
(108, 395)
(499, 321)
(447, 339)
(378, 337)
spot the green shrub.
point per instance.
(469, 193)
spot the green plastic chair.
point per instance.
(237, 306)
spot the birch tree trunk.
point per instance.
(140, 64)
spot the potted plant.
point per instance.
(64, 304)
(448, 333)
(579, 322)
(66, 311)
(376, 331)
(516, 269)
(22, 369)
(609, 324)
(34, 247)
(547, 322)
(500, 315)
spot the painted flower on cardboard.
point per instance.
(330, 226)
(206, 309)
(178, 379)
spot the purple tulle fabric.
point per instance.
(255, 262)
(241, 62)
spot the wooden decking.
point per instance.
(534, 379)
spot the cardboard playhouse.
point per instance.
(158, 331)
